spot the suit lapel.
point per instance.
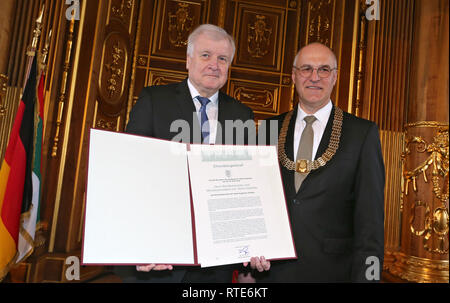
(326, 135)
(289, 150)
(187, 109)
(224, 114)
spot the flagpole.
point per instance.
(45, 50)
(29, 216)
(31, 52)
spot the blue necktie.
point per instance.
(204, 119)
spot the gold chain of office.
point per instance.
(303, 165)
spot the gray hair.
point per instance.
(214, 32)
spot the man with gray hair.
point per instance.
(196, 103)
(210, 52)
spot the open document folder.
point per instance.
(139, 208)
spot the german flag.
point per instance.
(16, 189)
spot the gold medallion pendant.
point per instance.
(301, 166)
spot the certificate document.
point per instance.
(156, 201)
(137, 201)
(239, 204)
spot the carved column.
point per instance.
(423, 255)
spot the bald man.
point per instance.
(333, 176)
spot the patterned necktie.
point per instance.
(204, 124)
(305, 148)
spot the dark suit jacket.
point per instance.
(158, 106)
(152, 116)
(337, 216)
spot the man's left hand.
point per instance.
(258, 263)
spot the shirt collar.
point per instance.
(322, 115)
(194, 93)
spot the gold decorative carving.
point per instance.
(436, 222)
(142, 60)
(426, 124)
(115, 70)
(180, 25)
(162, 78)
(107, 125)
(258, 37)
(125, 5)
(249, 95)
(62, 93)
(413, 217)
(438, 159)
(286, 80)
(3, 82)
(319, 25)
(420, 269)
(292, 4)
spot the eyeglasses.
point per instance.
(306, 71)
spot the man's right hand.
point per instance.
(153, 266)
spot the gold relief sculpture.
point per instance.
(258, 37)
(162, 78)
(319, 25)
(249, 96)
(436, 223)
(438, 159)
(292, 4)
(124, 6)
(414, 207)
(412, 269)
(107, 125)
(115, 70)
(286, 80)
(180, 25)
(142, 60)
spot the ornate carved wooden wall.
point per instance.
(99, 64)
(267, 34)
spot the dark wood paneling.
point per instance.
(175, 21)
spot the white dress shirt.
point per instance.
(322, 116)
(212, 110)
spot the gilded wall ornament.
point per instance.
(253, 95)
(435, 228)
(258, 40)
(437, 160)
(180, 25)
(115, 69)
(107, 125)
(319, 24)
(120, 11)
(436, 222)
